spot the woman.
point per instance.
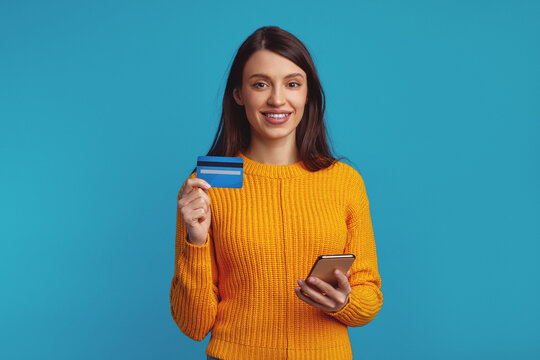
(242, 254)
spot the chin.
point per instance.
(275, 135)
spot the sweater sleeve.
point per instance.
(365, 299)
(194, 292)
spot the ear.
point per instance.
(238, 97)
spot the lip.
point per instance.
(277, 111)
(277, 121)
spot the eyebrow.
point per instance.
(286, 77)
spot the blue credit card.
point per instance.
(221, 171)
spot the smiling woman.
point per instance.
(242, 253)
(274, 101)
(254, 77)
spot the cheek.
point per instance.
(253, 101)
(299, 101)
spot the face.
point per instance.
(274, 93)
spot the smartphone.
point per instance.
(324, 267)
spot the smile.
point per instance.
(276, 118)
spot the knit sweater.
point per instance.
(263, 238)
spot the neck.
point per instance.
(274, 153)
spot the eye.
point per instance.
(295, 83)
(256, 85)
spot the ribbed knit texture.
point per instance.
(263, 238)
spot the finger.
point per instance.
(316, 295)
(193, 217)
(343, 281)
(348, 273)
(195, 206)
(194, 183)
(197, 193)
(201, 202)
(309, 301)
(324, 287)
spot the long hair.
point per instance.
(233, 132)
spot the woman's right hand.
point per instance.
(194, 205)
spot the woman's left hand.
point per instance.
(335, 298)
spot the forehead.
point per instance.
(271, 64)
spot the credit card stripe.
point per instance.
(221, 172)
(220, 164)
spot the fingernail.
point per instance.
(311, 280)
(300, 282)
(336, 271)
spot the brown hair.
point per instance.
(311, 135)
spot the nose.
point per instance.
(276, 97)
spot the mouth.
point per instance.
(277, 118)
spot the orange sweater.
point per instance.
(263, 238)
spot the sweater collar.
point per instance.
(273, 171)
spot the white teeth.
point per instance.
(279, 116)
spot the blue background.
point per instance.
(106, 105)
